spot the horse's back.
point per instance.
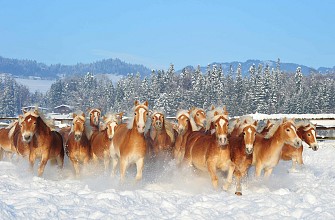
(288, 152)
(200, 151)
(120, 136)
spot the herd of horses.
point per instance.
(208, 141)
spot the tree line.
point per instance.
(264, 90)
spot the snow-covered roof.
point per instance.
(67, 106)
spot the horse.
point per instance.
(129, 144)
(266, 128)
(101, 142)
(78, 147)
(267, 149)
(5, 141)
(161, 134)
(211, 152)
(21, 147)
(47, 143)
(241, 148)
(197, 118)
(94, 114)
(65, 132)
(306, 131)
(184, 129)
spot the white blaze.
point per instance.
(141, 122)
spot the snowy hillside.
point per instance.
(170, 193)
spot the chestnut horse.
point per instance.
(47, 143)
(241, 148)
(95, 114)
(161, 134)
(129, 144)
(184, 129)
(78, 147)
(5, 140)
(267, 149)
(307, 132)
(101, 142)
(21, 147)
(211, 152)
(197, 119)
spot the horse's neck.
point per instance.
(42, 128)
(194, 126)
(300, 132)
(276, 141)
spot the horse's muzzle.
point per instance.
(27, 138)
(314, 147)
(297, 143)
(77, 137)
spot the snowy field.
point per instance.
(167, 192)
(34, 85)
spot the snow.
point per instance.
(34, 85)
(168, 192)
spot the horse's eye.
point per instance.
(162, 117)
(255, 134)
(308, 134)
(216, 125)
(288, 130)
(153, 118)
(243, 133)
(147, 113)
(134, 113)
(197, 114)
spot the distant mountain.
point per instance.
(285, 67)
(26, 68)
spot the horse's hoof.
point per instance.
(238, 193)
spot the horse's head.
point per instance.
(267, 127)
(95, 116)
(183, 118)
(220, 123)
(249, 134)
(78, 125)
(141, 113)
(28, 125)
(157, 120)
(199, 116)
(308, 134)
(289, 133)
(110, 124)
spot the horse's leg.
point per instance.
(75, 164)
(43, 163)
(238, 191)
(139, 166)
(32, 158)
(229, 176)
(123, 168)
(106, 161)
(267, 172)
(258, 169)
(1, 153)
(114, 164)
(212, 172)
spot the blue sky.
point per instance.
(156, 33)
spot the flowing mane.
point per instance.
(36, 113)
(273, 129)
(109, 117)
(193, 112)
(12, 127)
(243, 122)
(88, 130)
(210, 115)
(306, 124)
(183, 112)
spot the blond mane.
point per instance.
(306, 124)
(210, 115)
(183, 112)
(11, 128)
(36, 113)
(275, 127)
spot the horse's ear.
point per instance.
(24, 111)
(120, 114)
(216, 113)
(192, 108)
(83, 114)
(284, 119)
(136, 103)
(74, 115)
(212, 107)
(255, 123)
(36, 111)
(104, 118)
(89, 110)
(146, 103)
(225, 110)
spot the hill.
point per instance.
(26, 68)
